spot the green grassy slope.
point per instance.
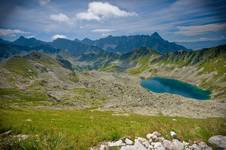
(80, 129)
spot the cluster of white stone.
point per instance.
(154, 141)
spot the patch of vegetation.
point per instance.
(20, 66)
(81, 129)
(218, 65)
(108, 68)
(143, 63)
(42, 58)
(13, 96)
(73, 77)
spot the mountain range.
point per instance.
(124, 44)
(112, 44)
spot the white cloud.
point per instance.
(44, 2)
(200, 29)
(100, 10)
(12, 32)
(103, 30)
(61, 36)
(61, 18)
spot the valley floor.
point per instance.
(125, 94)
(102, 106)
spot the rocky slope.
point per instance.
(205, 68)
(124, 93)
(46, 81)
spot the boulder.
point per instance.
(159, 146)
(177, 145)
(143, 141)
(156, 133)
(203, 145)
(148, 136)
(218, 140)
(173, 134)
(137, 146)
(103, 147)
(195, 147)
(168, 144)
(128, 141)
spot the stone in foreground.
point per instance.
(219, 141)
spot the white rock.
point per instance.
(173, 134)
(116, 143)
(156, 133)
(154, 138)
(150, 147)
(148, 136)
(168, 144)
(153, 143)
(128, 141)
(194, 147)
(143, 141)
(137, 146)
(140, 139)
(218, 140)
(161, 139)
(159, 146)
(103, 147)
(185, 143)
(177, 145)
(203, 145)
(146, 144)
(150, 140)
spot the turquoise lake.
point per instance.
(165, 85)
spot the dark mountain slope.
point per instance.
(28, 42)
(124, 44)
(75, 47)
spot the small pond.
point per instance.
(166, 85)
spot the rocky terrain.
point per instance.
(36, 83)
(125, 94)
(155, 141)
(54, 85)
(205, 68)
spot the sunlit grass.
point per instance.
(81, 129)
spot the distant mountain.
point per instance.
(4, 41)
(125, 44)
(116, 44)
(75, 47)
(9, 49)
(24, 45)
(29, 42)
(87, 41)
(202, 44)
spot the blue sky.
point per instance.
(175, 20)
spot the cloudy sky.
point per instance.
(175, 20)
